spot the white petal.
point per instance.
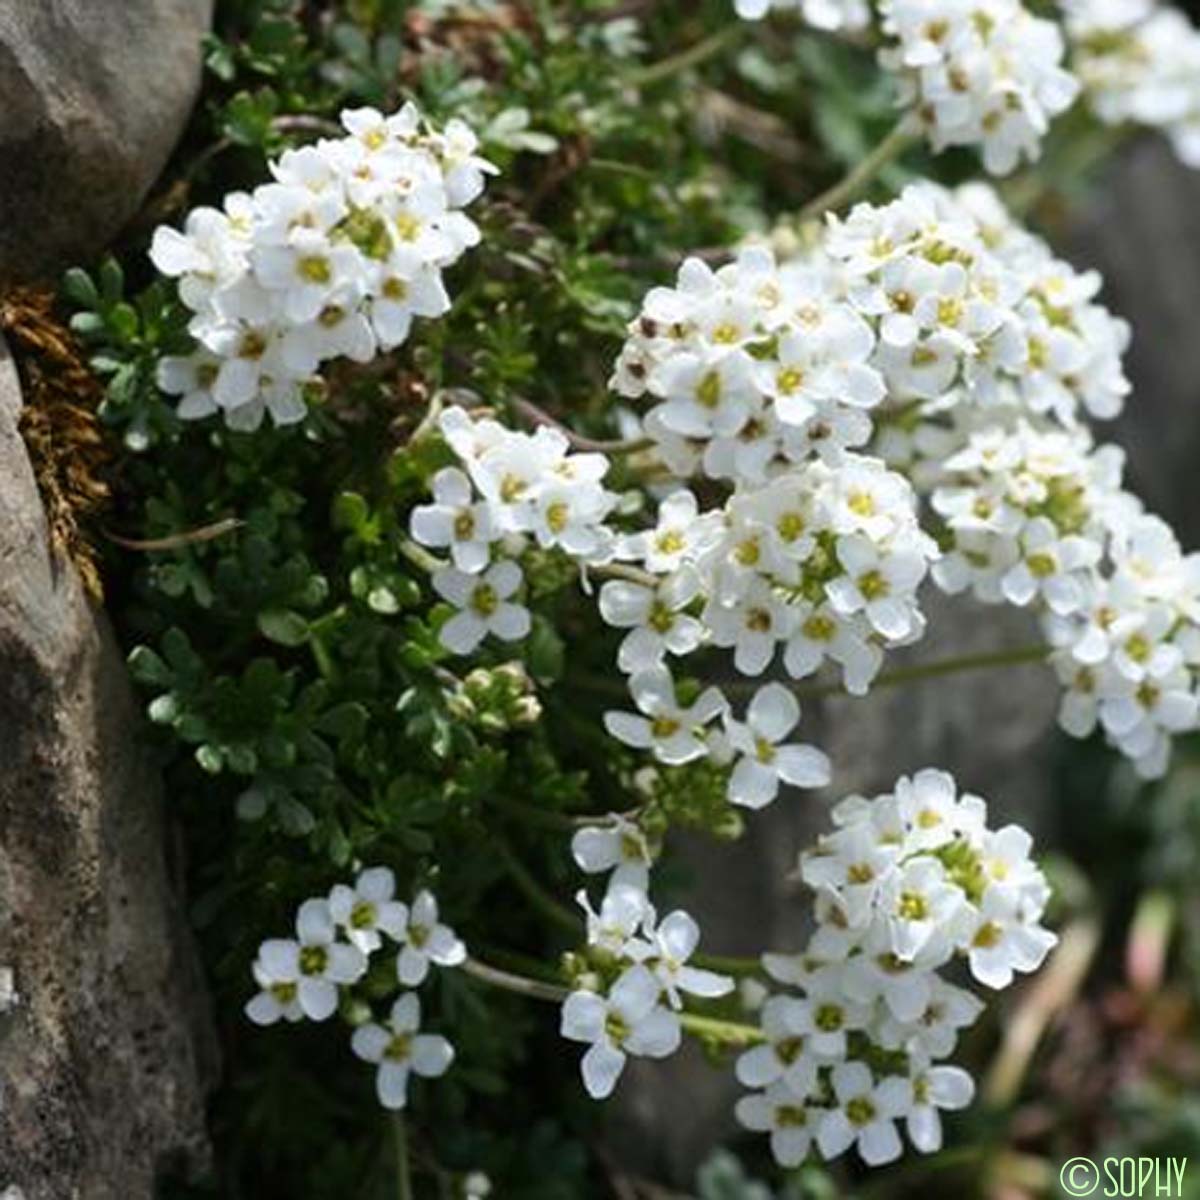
(391, 1084)
(369, 1042)
(431, 1055)
(602, 1066)
(774, 712)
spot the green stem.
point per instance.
(714, 1029)
(519, 985)
(937, 669)
(404, 1188)
(728, 964)
(537, 896)
(538, 416)
(693, 56)
(420, 557)
(545, 819)
(847, 189)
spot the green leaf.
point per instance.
(284, 626)
(78, 287)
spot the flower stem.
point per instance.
(713, 1029)
(537, 896)
(693, 56)
(404, 1189)
(520, 985)
(859, 176)
(420, 557)
(538, 416)
(937, 669)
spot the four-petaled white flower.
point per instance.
(485, 606)
(316, 962)
(629, 1020)
(674, 732)
(400, 1049)
(457, 520)
(368, 908)
(426, 940)
(773, 714)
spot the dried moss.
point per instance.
(60, 425)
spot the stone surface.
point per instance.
(93, 96)
(1141, 230)
(103, 1058)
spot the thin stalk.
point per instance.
(520, 985)
(420, 557)
(730, 1033)
(861, 175)
(614, 570)
(1019, 656)
(562, 822)
(728, 964)
(538, 416)
(699, 52)
(536, 895)
(937, 669)
(404, 1188)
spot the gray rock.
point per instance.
(103, 1051)
(93, 96)
(1141, 230)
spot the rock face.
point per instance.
(103, 1058)
(93, 96)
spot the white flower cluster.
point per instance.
(978, 72)
(1039, 518)
(630, 1005)
(515, 487)
(333, 259)
(1129, 655)
(822, 563)
(1139, 61)
(908, 882)
(832, 15)
(335, 937)
(973, 312)
(753, 370)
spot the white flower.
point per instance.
(666, 948)
(935, 1088)
(368, 908)
(484, 604)
(426, 940)
(400, 1049)
(629, 1020)
(673, 732)
(280, 994)
(773, 714)
(934, 1032)
(621, 914)
(332, 259)
(1000, 940)
(456, 520)
(784, 1115)
(984, 73)
(316, 962)
(681, 533)
(865, 1115)
(619, 846)
(786, 1055)
(656, 618)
